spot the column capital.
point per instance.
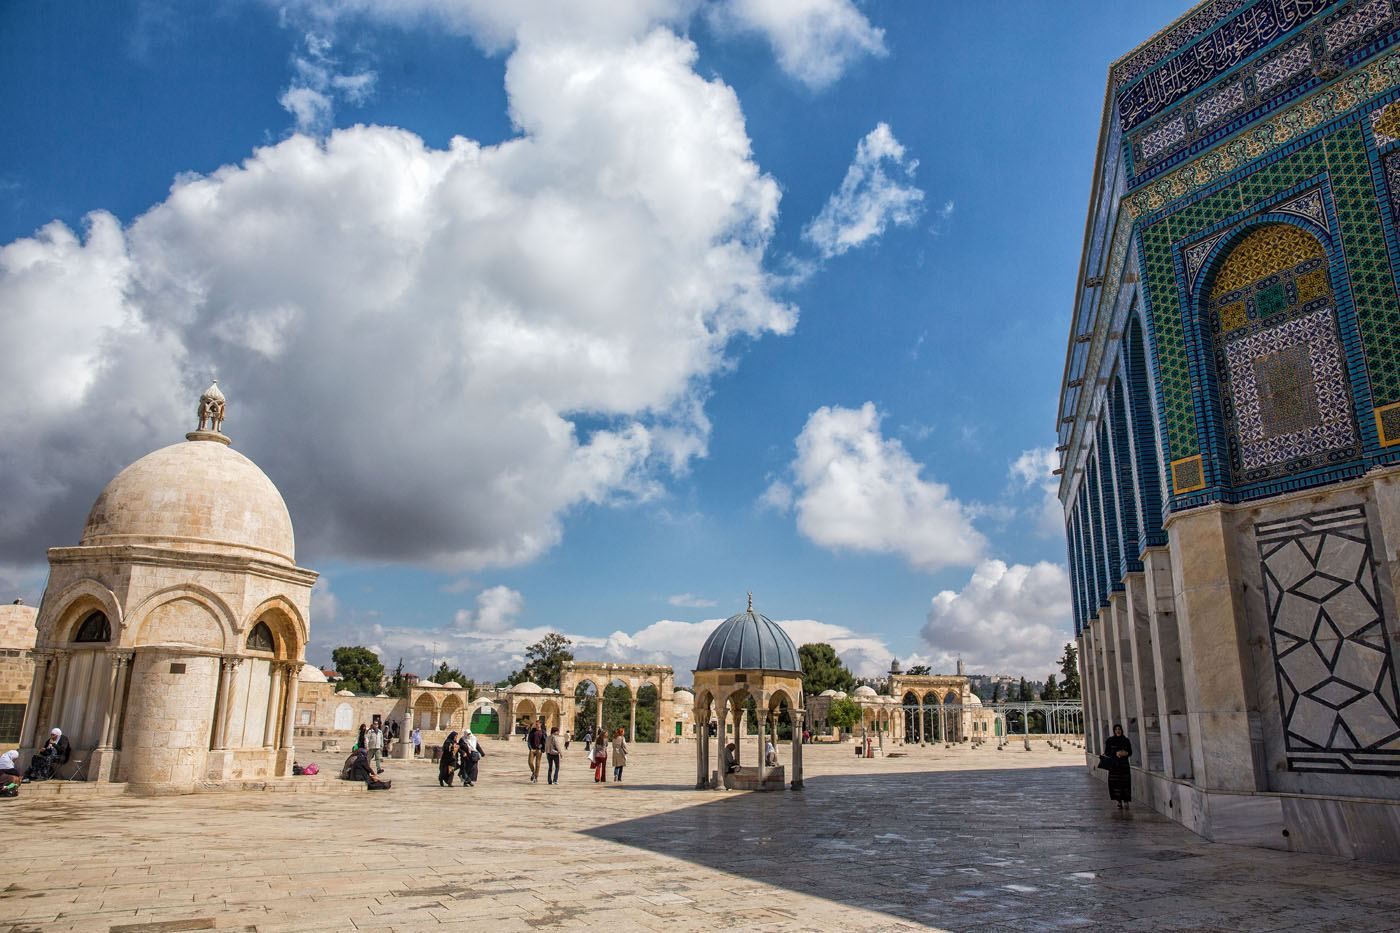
(292, 669)
(229, 663)
(121, 656)
(60, 654)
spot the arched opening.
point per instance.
(935, 729)
(952, 718)
(450, 716)
(913, 731)
(617, 707)
(260, 638)
(525, 713)
(586, 709)
(485, 720)
(94, 628)
(648, 713)
(424, 712)
(1277, 358)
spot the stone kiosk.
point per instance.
(747, 656)
(170, 639)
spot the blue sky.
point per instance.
(604, 373)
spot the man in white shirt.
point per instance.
(374, 744)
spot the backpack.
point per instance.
(311, 769)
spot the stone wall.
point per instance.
(17, 634)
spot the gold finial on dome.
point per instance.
(211, 416)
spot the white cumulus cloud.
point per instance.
(814, 41)
(690, 601)
(1013, 619)
(435, 353)
(1033, 471)
(497, 610)
(853, 488)
(878, 190)
(317, 83)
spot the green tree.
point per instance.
(445, 675)
(359, 668)
(544, 662)
(919, 670)
(647, 705)
(996, 692)
(1025, 692)
(1069, 669)
(822, 670)
(844, 714)
(1052, 689)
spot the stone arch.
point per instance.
(523, 711)
(616, 700)
(160, 617)
(450, 713)
(1274, 364)
(72, 607)
(425, 712)
(587, 710)
(94, 629)
(287, 623)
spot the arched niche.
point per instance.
(1276, 358)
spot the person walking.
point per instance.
(417, 735)
(375, 747)
(471, 758)
(1116, 752)
(600, 758)
(554, 753)
(619, 754)
(534, 741)
(448, 761)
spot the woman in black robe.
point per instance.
(1117, 750)
(448, 761)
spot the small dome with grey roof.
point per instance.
(750, 641)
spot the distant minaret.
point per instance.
(961, 671)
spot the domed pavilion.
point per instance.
(171, 638)
(748, 657)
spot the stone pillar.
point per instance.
(632, 722)
(1166, 663)
(287, 754)
(274, 703)
(228, 667)
(762, 734)
(1089, 685)
(702, 749)
(60, 688)
(919, 725)
(1108, 656)
(36, 699)
(1122, 676)
(1221, 706)
(1135, 619)
(722, 714)
(103, 761)
(598, 709)
(797, 758)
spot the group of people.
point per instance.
(460, 756)
(600, 747)
(56, 751)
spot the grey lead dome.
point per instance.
(749, 641)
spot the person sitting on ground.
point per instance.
(357, 768)
(730, 764)
(9, 770)
(55, 752)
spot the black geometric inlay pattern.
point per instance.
(1332, 657)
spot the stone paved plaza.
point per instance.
(953, 839)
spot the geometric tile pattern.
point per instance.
(1283, 66)
(1188, 474)
(1368, 261)
(1291, 400)
(1385, 124)
(1218, 105)
(1262, 253)
(1388, 424)
(1308, 206)
(1354, 25)
(1338, 696)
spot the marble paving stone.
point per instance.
(960, 839)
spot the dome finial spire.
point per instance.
(211, 416)
(750, 600)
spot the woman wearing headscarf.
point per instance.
(1117, 750)
(472, 753)
(363, 736)
(448, 761)
(600, 757)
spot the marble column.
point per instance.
(60, 688)
(228, 667)
(797, 758)
(702, 748)
(632, 722)
(111, 717)
(722, 714)
(36, 699)
(762, 758)
(274, 702)
(287, 754)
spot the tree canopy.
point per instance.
(844, 714)
(1052, 689)
(919, 670)
(445, 675)
(822, 670)
(359, 668)
(1025, 692)
(544, 662)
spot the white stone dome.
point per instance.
(864, 690)
(199, 495)
(526, 687)
(311, 674)
(345, 693)
(973, 700)
(680, 695)
(452, 685)
(827, 693)
(839, 694)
